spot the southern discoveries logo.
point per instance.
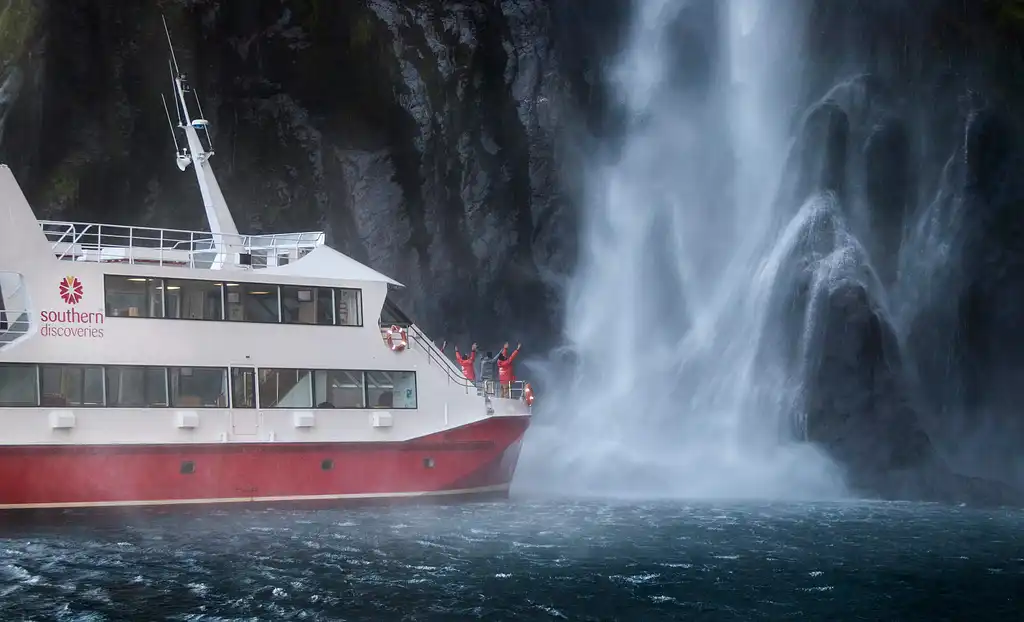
(82, 324)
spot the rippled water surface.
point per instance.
(525, 561)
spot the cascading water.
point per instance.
(672, 394)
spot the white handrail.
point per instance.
(13, 324)
(78, 241)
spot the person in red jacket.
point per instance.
(506, 373)
(468, 369)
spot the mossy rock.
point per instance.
(18, 21)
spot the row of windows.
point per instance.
(28, 385)
(131, 296)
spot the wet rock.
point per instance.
(889, 190)
(856, 405)
(821, 152)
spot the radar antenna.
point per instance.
(194, 153)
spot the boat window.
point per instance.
(307, 305)
(18, 385)
(71, 385)
(286, 388)
(391, 389)
(3, 311)
(198, 387)
(251, 302)
(193, 300)
(133, 296)
(339, 389)
(243, 387)
(390, 314)
(350, 307)
(138, 387)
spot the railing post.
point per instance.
(131, 245)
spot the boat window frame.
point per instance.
(223, 285)
(259, 387)
(226, 394)
(253, 395)
(220, 288)
(415, 389)
(81, 382)
(145, 393)
(38, 386)
(228, 371)
(140, 280)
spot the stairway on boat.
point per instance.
(14, 320)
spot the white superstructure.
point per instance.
(123, 335)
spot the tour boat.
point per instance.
(147, 367)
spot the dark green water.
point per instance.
(525, 561)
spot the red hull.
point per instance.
(474, 460)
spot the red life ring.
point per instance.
(397, 338)
(528, 394)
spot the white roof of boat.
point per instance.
(327, 263)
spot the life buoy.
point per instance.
(397, 338)
(528, 394)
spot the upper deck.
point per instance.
(104, 243)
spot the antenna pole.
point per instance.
(170, 45)
(170, 124)
(206, 127)
(174, 83)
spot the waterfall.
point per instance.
(672, 393)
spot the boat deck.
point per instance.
(92, 242)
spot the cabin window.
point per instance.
(286, 388)
(243, 387)
(339, 389)
(136, 387)
(349, 307)
(18, 385)
(307, 305)
(71, 385)
(133, 296)
(391, 389)
(198, 387)
(251, 302)
(391, 314)
(193, 300)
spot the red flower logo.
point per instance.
(71, 290)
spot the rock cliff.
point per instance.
(441, 142)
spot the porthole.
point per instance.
(188, 467)
(428, 463)
(327, 464)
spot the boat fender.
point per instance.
(528, 394)
(397, 339)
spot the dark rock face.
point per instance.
(441, 141)
(899, 305)
(428, 139)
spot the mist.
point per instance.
(673, 390)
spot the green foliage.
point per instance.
(17, 22)
(361, 30)
(1011, 11)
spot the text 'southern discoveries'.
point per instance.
(84, 325)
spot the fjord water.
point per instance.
(683, 244)
(525, 561)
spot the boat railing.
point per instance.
(455, 376)
(92, 242)
(13, 324)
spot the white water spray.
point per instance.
(682, 248)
